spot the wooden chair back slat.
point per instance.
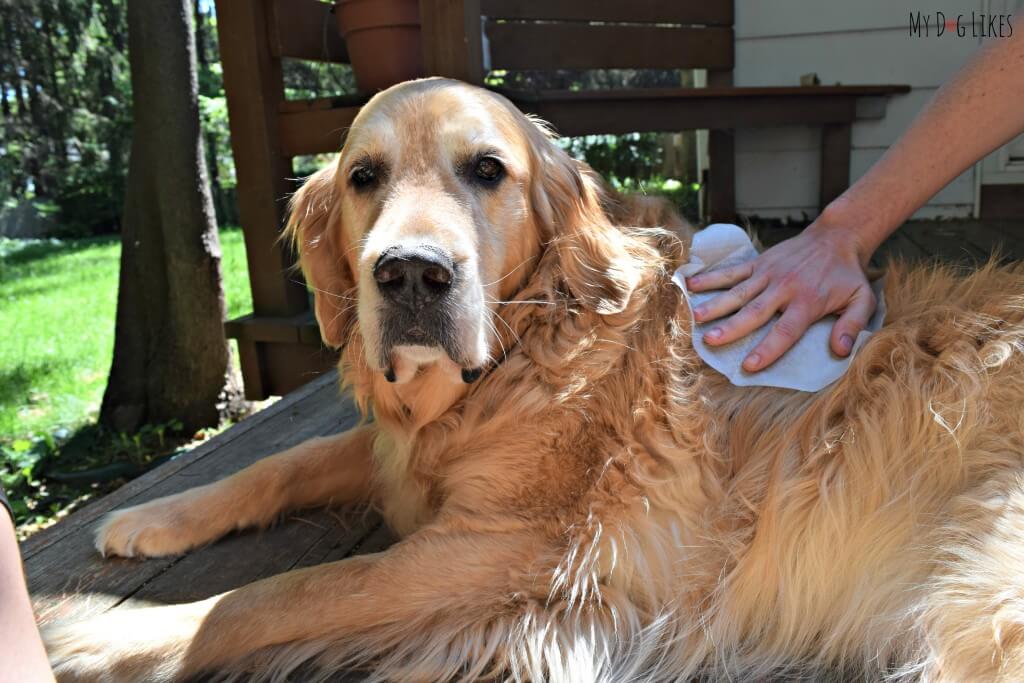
(523, 45)
(633, 11)
(314, 131)
(305, 29)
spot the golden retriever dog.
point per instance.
(578, 497)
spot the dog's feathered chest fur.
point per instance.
(563, 413)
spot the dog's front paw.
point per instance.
(155, 529)
(117, 648)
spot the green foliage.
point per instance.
(213, 117)
(619, 157)
(685, 196)
(587, 79)
(213, 112)
(57, 307)
(65, 96)
(307, 80)
(47, 476)
(633, 161)
(21, 459)
(65, 91)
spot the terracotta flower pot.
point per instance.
(383, 40)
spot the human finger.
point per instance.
(746, 320)
(854, 319)
(783, 335)
(721, 278)
(730, 301)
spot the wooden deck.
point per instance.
(68, 578)
(963, 242)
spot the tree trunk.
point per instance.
(6, 59)
(171, 359)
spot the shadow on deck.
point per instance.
(68, 578)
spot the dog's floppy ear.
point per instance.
(593, 254)
(314, 227)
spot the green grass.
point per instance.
(58, 300)
(235, 273)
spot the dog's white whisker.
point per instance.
(525, 301)
(510, 273)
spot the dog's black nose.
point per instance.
(414, 276)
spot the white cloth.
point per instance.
(809, 365)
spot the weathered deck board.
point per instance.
(1005, 238)
(947, 241)
(899, 247)
(962, 242)
(68, 578)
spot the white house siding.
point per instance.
(851, 43)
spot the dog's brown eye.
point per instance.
(489, 169)
(362, 177)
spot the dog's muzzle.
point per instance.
(417, 283)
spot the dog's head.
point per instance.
(439, 208)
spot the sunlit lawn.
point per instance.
(57, 306)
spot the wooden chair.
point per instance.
(466, 38)
(279, 343)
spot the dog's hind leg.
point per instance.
(335, 469)
(436, 606)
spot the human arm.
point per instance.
(21, 650)
(821, 271)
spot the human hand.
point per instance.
(818, 272)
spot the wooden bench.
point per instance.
(471, 37)
(279, 343)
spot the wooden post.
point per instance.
(452, 41)
(722, 153)
(254, 89)
(836, 140)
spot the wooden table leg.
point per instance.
(722, 176)
(836, 140)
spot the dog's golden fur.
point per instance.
(600, 506)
